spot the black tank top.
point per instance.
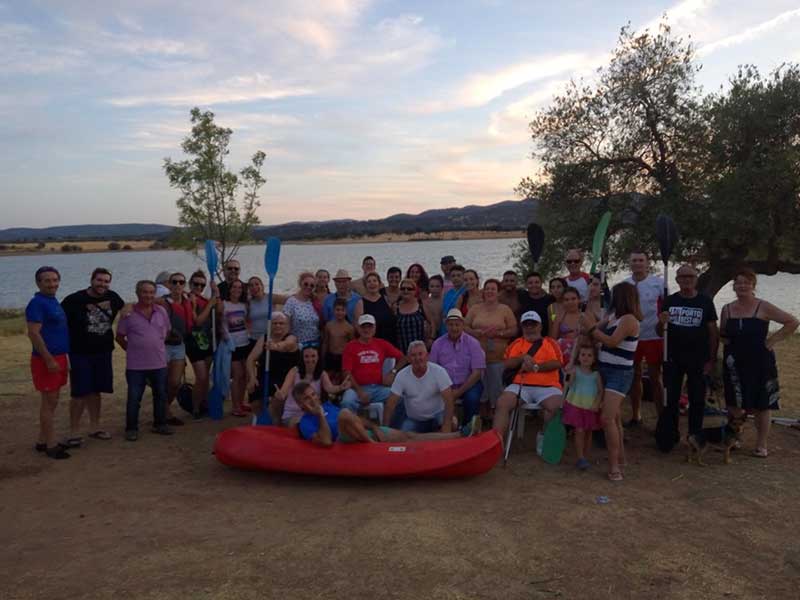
(280, 363)
(384, 319)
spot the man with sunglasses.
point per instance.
(230, 272)
(576, 277)
(90, 316)
(691, 321)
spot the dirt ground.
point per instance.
(160, 518)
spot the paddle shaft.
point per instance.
(265, 397)
(666, 327)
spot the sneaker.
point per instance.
(583, 464)
(57, 452)
(162, 430)
(131, 436)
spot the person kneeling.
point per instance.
(323, 423)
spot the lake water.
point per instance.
(489, 257)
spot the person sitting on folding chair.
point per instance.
(536, 383)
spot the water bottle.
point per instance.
(539, 443)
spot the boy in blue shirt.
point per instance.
(323, 424)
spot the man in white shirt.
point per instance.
(575, 276)
(425, 389)
(651, 345)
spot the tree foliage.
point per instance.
(215, 203)
(640, 139)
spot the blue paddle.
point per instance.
(215, 399)
(271, 256)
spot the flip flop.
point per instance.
(73, 442)
(761, 453)
(615, 476)
(100, 435)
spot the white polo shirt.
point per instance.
(651, 290)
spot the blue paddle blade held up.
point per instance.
(272, 256)
(211, 258)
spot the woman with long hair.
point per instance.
(283, 408)
(198, 342)
(233, 316)
(416, 273)
(618, 335)
(472, 291)
(322, 279)
(566, 327)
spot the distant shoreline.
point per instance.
(98, 246)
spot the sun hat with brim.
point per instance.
(454, 313)
(341, 274)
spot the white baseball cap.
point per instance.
(366, 320)
(531, 315)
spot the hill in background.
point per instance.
(510, 215)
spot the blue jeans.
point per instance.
(137, 381)
(377, 393)
(471, 401)
(427, 426)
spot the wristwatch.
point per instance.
(535, 367)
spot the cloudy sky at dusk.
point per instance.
(364, 108)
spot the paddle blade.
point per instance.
(555, 440)
(211, 258)
(667, 235)
(215, 404)
(600, 239)
(535, 241)
(271, 256)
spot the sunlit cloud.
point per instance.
(751, 33)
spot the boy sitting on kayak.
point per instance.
(324, 423)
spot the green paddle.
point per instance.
(600, 240)
(555, 440)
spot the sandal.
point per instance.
(615, 476)
(100, 435)
(761, 453)
(73, 442)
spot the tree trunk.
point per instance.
(713, 279)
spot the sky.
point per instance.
(365, 108)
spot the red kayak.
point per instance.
(281, 449)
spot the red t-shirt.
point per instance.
(365, 361)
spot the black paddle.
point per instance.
(667, 235)
(535, 235)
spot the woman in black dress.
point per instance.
(374, 303)
(750, 373)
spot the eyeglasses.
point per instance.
(307, 285)
(198, 284)
(407, 289)
(178, 282)
(572, 262)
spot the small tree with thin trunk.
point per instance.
(215, 203)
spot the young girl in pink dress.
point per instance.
(582, 406)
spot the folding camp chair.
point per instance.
(517, 423)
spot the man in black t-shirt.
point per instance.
(536, 299)
(692, 343)
(90, 316)
(230, 272)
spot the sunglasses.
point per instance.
(232, 269)
(178, 282)
(572, 262)
(407, 289)
(198, 284)
(308, 285)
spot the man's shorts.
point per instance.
(43, 379)
(91, 374)
(533, 395)
(346, 439)
(650, 351)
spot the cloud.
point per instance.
(479, 90)
(749, 34)
(682, 15)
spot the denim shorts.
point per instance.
(617, 380)
(176, 352)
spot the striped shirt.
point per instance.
(620, 357)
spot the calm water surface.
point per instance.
(488, 257)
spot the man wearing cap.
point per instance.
(446, 264)
(49, 335)
(537, 361)
(464, 360)
(362, 361)
(342, 282)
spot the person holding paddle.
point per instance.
(618, 335)
(750, 372)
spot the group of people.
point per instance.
(375, 360)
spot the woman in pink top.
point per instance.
(283, 406)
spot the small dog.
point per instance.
(722, 437)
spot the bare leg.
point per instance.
(611, 406)
(47, 410)
(762, 428)
(580, 443)
(175, 370)
(352, 426)
(421, 437)
(76, 406)
(93, 405)
(621, 431)
(200, 388)
(505, 404)
(636, 393)
(276, 410)
(587, 443)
